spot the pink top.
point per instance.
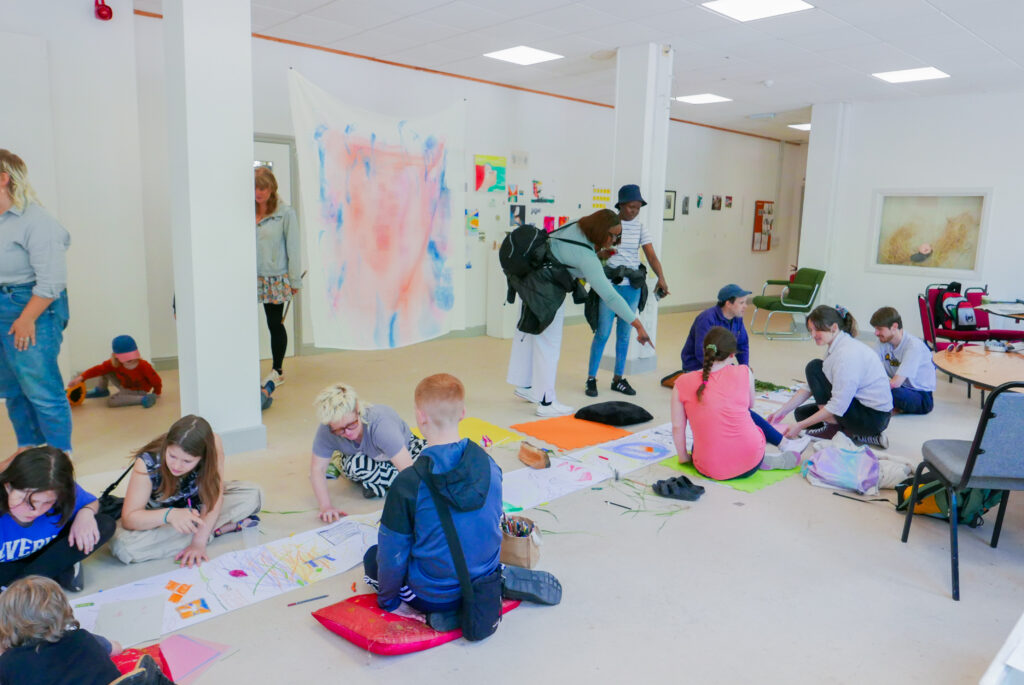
(726, 443)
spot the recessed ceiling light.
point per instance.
(702, 99)
(523, 55)
(749, 10)
(907, 75)
(801, 127)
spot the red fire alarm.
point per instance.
(103, 11)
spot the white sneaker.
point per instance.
(277, 378)
(525, 393)
(554, 409)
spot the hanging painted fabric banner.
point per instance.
(382, 211)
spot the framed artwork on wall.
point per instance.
(939, 233)
(669, 213)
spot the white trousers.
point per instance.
(534, 359)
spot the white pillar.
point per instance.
(643, 83)
(208, 52)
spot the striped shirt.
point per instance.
(634, 235)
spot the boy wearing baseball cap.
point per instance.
(134, 378)
(727, 313)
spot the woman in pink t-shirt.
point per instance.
(717, 402)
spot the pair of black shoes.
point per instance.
(620, 385)
(679, 487)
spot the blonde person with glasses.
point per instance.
(367, 443)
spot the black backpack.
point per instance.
(525, 249)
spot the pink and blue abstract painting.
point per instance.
(379, 208)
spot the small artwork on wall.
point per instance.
(716, 203)
(728, 201)
(516, 215)
(669, 213)
(684, 206)
(700, 200)
(490, 173)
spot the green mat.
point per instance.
(761, 479)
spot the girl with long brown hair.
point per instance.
(729, 438)
(177, 500)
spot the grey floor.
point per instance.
(788, 584)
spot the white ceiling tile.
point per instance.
(265, 17)
(296, 6)
(922, 24)
(514, 9)
(362, 14)
(418, 31)
(373, 43)
(625, 33)
(796, 23)
(575, 18)
(430, 55)
(406, 8)
(833, 39)
(634, 8)
(688, 20)
(517, 32)
(463, 15)
(570, 46)
(861, 11)
(307, 29)
(725, 38)
(873, 58)
(775, 53)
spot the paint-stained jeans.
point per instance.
(30, 380)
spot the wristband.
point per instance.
(166, 514)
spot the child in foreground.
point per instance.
(177, 500)
(411, 562)
(42, 643)
(134, 378)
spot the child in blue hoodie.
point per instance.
(411, 562)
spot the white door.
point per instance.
(278, 157)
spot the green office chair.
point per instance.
(797, 298)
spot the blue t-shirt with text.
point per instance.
(17, 541)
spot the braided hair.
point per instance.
(719, 344)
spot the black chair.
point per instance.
(992, 461)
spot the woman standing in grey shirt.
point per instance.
(278, 263)
(33, 312)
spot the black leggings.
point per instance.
(858, 419)
(56, 558)
(278, 334)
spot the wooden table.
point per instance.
(980, 367)
(994, 310)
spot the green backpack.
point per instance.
(933, 500)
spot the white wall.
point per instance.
(929, 143)
(97, 184)
(707, 249)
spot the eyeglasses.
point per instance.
(345, 428)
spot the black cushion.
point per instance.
(614, 413)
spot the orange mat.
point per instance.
(570, 433)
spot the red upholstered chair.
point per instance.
(943, 336)
(927, 328)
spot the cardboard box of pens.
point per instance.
(520, 542)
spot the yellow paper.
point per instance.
(475, 429)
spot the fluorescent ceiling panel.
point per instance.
(523, 55)
(801, 127)
(908, 75)
(702, 99)
(750, 10)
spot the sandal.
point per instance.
(674, 489)
(247, 522)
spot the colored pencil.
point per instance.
(311, 599)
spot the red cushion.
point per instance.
(360, 621)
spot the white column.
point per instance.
(208, 53)
(643, 83)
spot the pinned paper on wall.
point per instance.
(472, 223)
(514, 192)
(600, 197)
(519, 159)
(534, 211)
(728, 201)
(380, 201)
(700, 200)
(716, 203)
(684, 206)
(516, 215)
(540, 193)
(490, 173)
(549, 223)
(562, 221)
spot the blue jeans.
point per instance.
(910, 401)
(30, 380)
(605, 317)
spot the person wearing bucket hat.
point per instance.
(132, 376)
(628, 276)
(727, 313)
